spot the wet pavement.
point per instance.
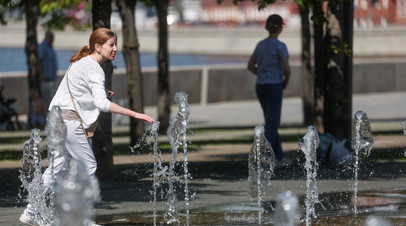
(225, 183)
(219, 172)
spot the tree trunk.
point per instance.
(306, 71)
(103, 138)
(101, 13)
(338, 93)
(164, 110)
(335, 115)
(133, 67)
(348, 33)
(31, 46)
(318, 22)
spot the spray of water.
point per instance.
(31, 178)
(75, 194)
(404, 133)
(376, 221)
(286, 209)
(363, 142)
(160, 172)
(177, 128)
(309, 144)
(41, 193)
(261, 163)
(55, 131)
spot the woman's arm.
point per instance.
(286, 71)
(252, 65)
(115, 108)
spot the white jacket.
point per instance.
(87, 86)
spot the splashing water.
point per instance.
(376, 221)
(31, 178)
(177, 127)
(261, 163)
(55, 131)
(159, 172)
(362, 133)
(362, 142)
(404, 132)
(404, 127)
(75, 194)
(286, 209)
(309, 144)
(41, 192)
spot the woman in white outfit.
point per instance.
(84, 83)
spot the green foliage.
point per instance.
(48, 6)
(148, 3)
(347, 50)
(315, 5)
(55, 20)
(317, 9)
(261, 3)
(55, 15)
(337, 50)
(7, 6)
(52, 12)
(318, 16)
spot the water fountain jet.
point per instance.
(55, 130)
(159, 171)
(31, 178)
(178, 126)
(75, 194)
(362, 142)
(309, 144)
(261, 163)
(40, 190)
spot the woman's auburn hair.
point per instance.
(98, 36)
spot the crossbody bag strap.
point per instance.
(74, 105)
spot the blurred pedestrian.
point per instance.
(49, 67)
(37, 111)
(270, 63)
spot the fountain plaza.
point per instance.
(218, 184)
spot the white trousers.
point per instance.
(78, 147)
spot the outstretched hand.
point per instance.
(115, 108)
(144, 117)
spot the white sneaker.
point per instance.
(282, 163)
(27, 219)
(91, 223)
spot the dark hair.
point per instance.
(98, 36)
(274, 23)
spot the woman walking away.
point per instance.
(82, 96)
(270, 63)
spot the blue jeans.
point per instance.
(270, 98)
